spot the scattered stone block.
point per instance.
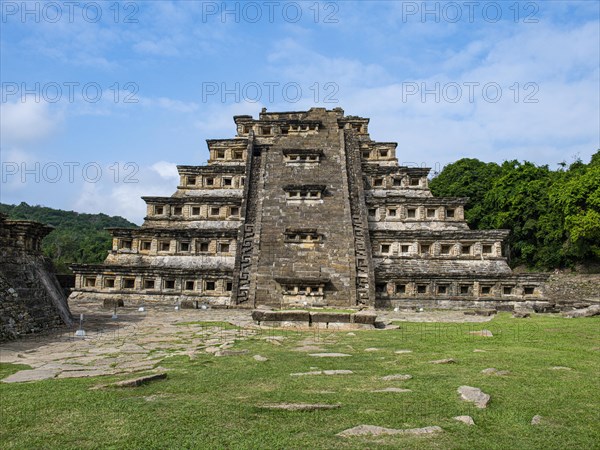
(443, 361)
(493, 371)
(521, 315)
(465, 419)
(484, 333)
(329, 355)
(561, 368)
(536, 420)
(260, 358)
(392, 389)
(397, 377)
(365, 318)
(82, 373)
(280, 316)
(350, 334)
(545, 307)
(301, 374)
(590, 311)
(337, 372)
(474, 395)
(477, 350)
(371, 349)
(300, 406)
(324, 317)
(373, 430)
(323, 372)
(138, 381)
(400, 352)
(231, 352)
(31, 375)
(307, 348)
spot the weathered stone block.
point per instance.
(327, 317)
(365, 318)
(280, 316)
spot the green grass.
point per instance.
(212, 402)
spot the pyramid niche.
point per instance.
(302, 208)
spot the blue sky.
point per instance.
(100, 100)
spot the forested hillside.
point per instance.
(554, 215)
(78, 238)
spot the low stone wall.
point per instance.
(562, 292)
(31, 299)
(453, 304)
(565, 288)
(323, 319)
(136, 299)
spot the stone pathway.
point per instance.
(136, 341)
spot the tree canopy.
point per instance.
(77, 238)
(553, 215)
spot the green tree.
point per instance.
(554, 216)
(467, 177)
(578, 200)
(76, 238)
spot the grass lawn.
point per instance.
(213, 402)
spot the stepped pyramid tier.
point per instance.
(302, 208)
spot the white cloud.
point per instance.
(166, 170)
(169, 104)
(122, 197)
(217, 120)
(28, 122)
(561, 61)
